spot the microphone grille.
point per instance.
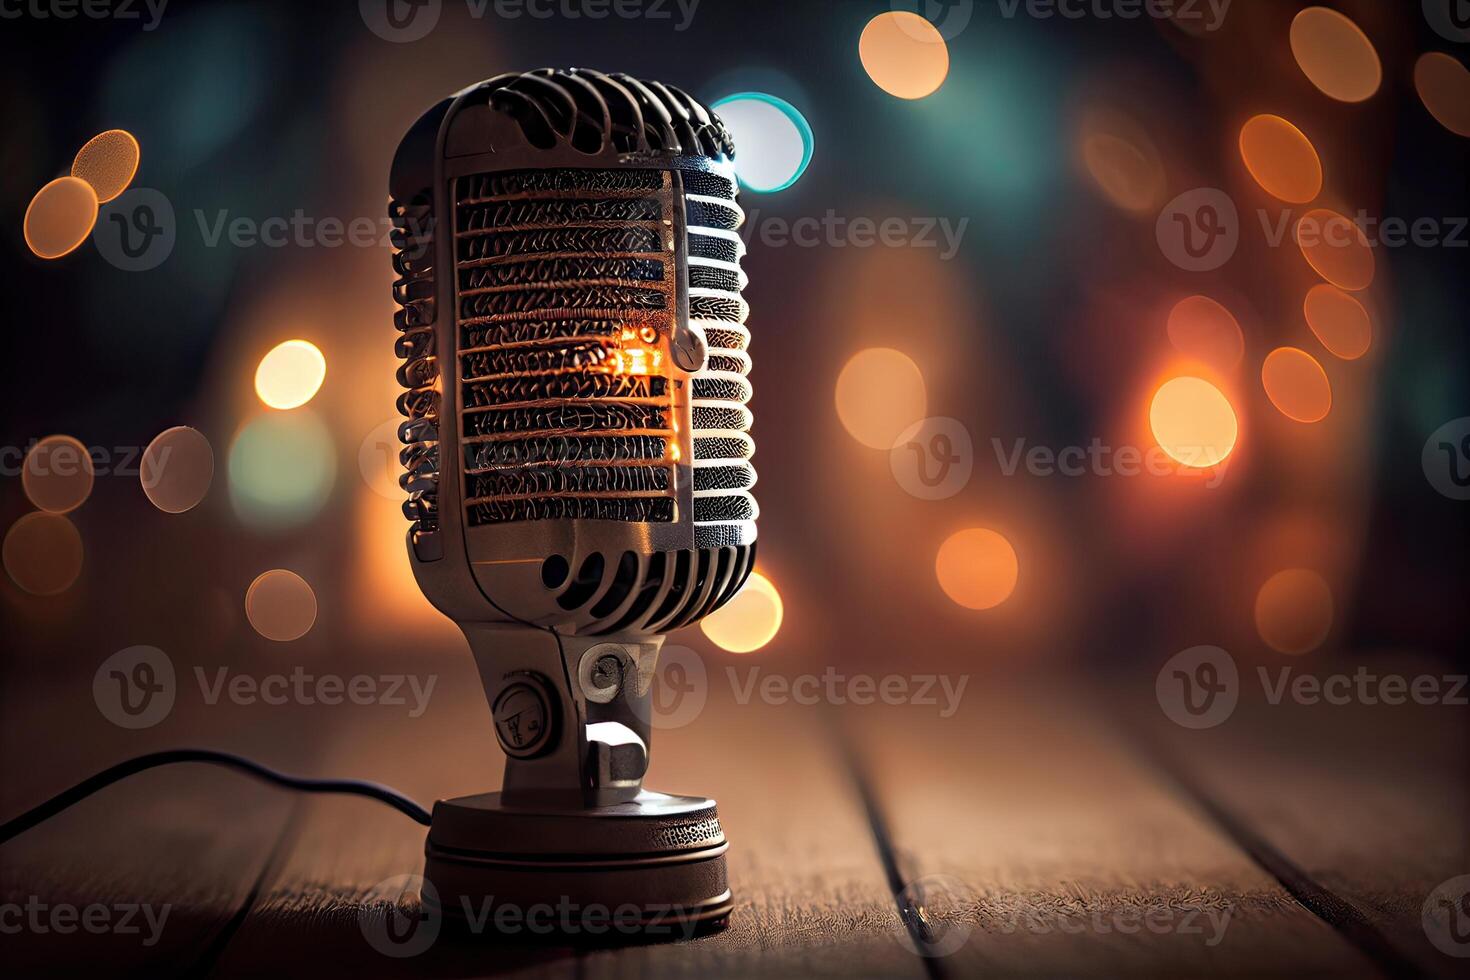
(565, 284)
(565, 278)
(724, 509)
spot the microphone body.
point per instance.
(577, 460)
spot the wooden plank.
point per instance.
(1362, 801)
(811, 897)
(350, 865)
(162, 862)
(810, 894)
(1048, 849)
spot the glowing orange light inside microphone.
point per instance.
(640, 361)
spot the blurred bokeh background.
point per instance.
(1053, 155)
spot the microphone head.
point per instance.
(577, 436)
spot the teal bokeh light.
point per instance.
(773, 140)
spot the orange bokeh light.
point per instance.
(1296, 384)
(1294, 611)
(748, 621)
(60, 217)
(1335, 55)
(1193, 422)
(1339, 321)
(880, 393)
(42, 553)
(108, 162)
(1122, 160)
(57, 474)
(1203, 329)
(977, 568)
(1444, 86)
(904, 54)
(280, 605)
(1336, 248)
(1281, 159)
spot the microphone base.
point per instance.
(650, 869)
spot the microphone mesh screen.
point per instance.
(564, 278)
(724, 509)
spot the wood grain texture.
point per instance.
(810, 894)
(1053, 843)
(811, 898)
(1041, 847)
(185, 843)
(1367, 801)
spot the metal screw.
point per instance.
(607, 672)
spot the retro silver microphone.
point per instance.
(577, 457)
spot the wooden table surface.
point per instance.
(1045, 829)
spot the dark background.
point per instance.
(1046, 325)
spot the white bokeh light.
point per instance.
(773, 143)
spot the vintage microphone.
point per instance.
(578, 464)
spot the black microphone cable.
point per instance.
(63, 800)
